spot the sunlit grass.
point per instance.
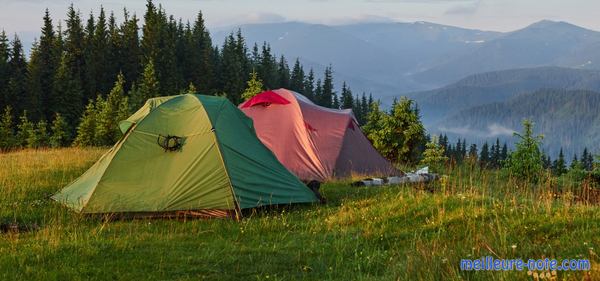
(376, 233)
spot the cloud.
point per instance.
(365, 18)
(492, 130)
(261, 17)
(248, 18)
(464, 9)
(499, 130)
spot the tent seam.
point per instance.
(237, 208)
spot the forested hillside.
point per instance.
(76, 63)
(498, 86)
(567, 119)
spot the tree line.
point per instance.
(104, 70)
(526, 161)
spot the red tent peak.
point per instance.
(265, 98)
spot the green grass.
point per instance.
(383, 233)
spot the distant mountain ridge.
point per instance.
(544, 43)
(372, 57)
(389, 59)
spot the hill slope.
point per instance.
(568, 119)
(498, 86)
(362, 233)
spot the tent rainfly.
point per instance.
(313, 142)
(185, 153)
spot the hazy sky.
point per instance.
(25, 16)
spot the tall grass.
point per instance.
(363, 233)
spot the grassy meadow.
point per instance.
(362, 233)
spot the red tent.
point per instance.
(313, 142)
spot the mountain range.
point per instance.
(389, 59)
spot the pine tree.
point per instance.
(4, 68)
(74, 49)
(433, 155)
(473, 152)
(526, 161)
(59, 132)
(38, 136)
(443, 141)
(484, 155)
(297, 78)
(457, 153)
(495, 154)
(364, 107)
(590, 161)
(587, 160)
(67, 93)
(107, 120)
(309, 86)
(89, 70)
(318, 96)
(327, 94)
(42, 67)
(34, 88)
(504, 153)
(283, 72)
(357, 109)
(202, 69)
(129, 50)
(346, 98)
(15, 94)
(115, 59)
(268, 69)
(7, 132)
(255, 57)
(574, 162)
(546, 162)
(399, 135)
(102, 59)
(149, 86)
(254, 86)
(374, 125)
(559, 165)
(335, 102)
(232, 74)
(24, 130)
(43, 137)
(86, 130)
(151, 30)
(68, 88)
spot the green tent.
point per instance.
(185, 153)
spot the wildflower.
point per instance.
(513, 246)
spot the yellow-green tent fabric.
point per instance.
(220, 165)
